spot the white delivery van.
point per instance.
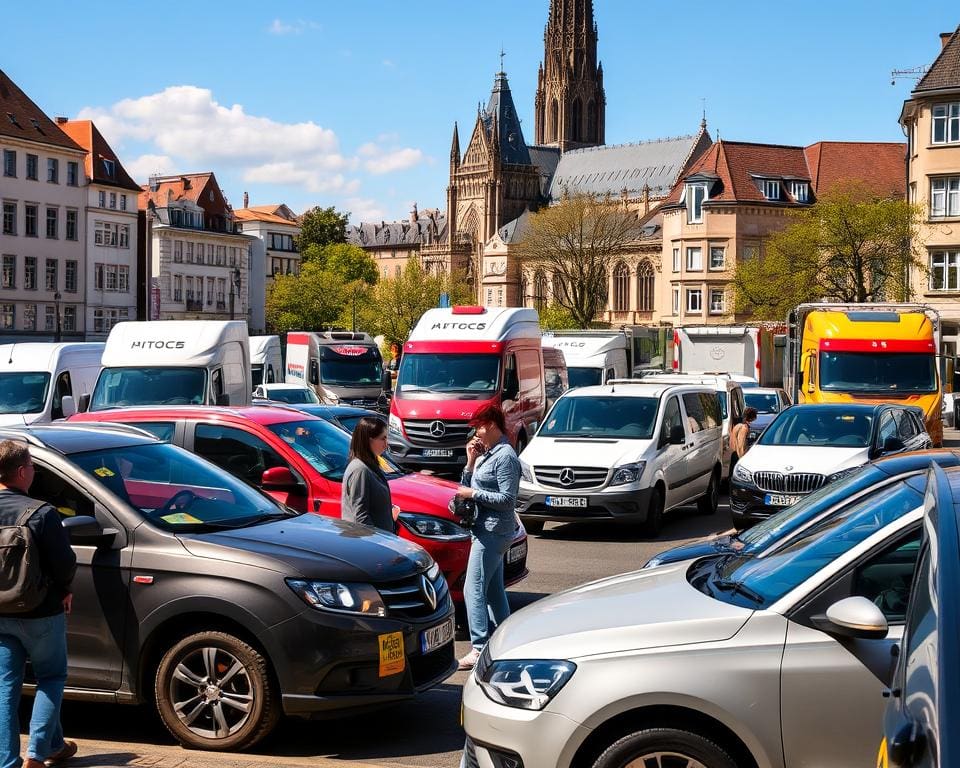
(174, 362)
(42, 382)
(342, 367)
(266, 360)
(592, 357)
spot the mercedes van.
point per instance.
(41, 382)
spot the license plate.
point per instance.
(392, 658)
(433, 638)
(438, 453)
(517, 552)
(780, 500)
(566, 501)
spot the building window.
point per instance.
(210, 288)
(123, 202)
(539, 291)
(69, 318)
(71, 225)
(52, 224)
(104, 318)
(645, 286)
(716, 301)
(123, 279)
(50, 282)
(177, 288)
(749, 252)
(221, 255)
(110, 169)
(33, 163)
(9, 218)
(621, 288)
(70, 277)
(945, 271)
(102, 199)
(6, 316)
(222, 292)
(945, 197)
(694, 301)
(696, 195)
(29, 317)
(178, 251)
(73, 174)
(124, 232)
(694, 259)
(676, 301)
(189, 253)
(800, 191)
(53, 170)
(676, 259)
(8, 279)
(717, 257)
(30, 220)
(30, 273)
(946, 123)
(770, 189)
(9, 163)
(49, 317)
(113, 198)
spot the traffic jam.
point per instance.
(201, 477)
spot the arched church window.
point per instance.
(592, 121)
(539, 290)
(576, 120)
(645, 283)
(621, 288)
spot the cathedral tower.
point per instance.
(570, 105)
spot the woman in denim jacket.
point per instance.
(491, 478)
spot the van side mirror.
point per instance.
(278, 479)
(387, 380)
(84, 405)
(780, 340)
(890, 445)
(314, 372)
(68, 405)
(677, 435)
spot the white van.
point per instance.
(627, 450)
(266, 360)
(592, 357)
(41, 382)
(174, 362)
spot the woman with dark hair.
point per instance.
(492, 479)
(365, 496)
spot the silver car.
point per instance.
(719, 662)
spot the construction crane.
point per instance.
(914, 73)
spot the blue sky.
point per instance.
(352, 103)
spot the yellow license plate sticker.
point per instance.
(392, 659)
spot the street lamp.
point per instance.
(56, 301)
(234, 289)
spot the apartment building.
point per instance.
(43, 233)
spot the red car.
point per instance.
(300, 459)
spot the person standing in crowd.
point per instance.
(739, 433)
(365, 497)
(33, 627)
(491, 478)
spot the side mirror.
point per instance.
(84, 529)
(84, 404)
(278, 479)
(314, 372)
(890, 445)
(387, 380)
(854, 617)
(223, 399)
(677, 435)
(68, 405)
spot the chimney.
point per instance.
(414, 214)
(944, 39)
(62, 120)
(246, 200)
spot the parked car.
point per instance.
(829, 500)
(221, 608)
(769, 402)
(626, 451)
(300, 459)
(807, 446)
(926, 684)
(286, 393)
(716, 662)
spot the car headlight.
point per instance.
(431, 527)
(742, 474)
(628, 473)
(524, 684)
(525, 472)
(841, 473)
(394, 425)
(338, 596)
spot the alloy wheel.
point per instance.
(211, 692)
(664, 760)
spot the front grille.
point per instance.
(359, 402)
(453, 431)
(428, 668)
(405, 598)
(582, 477)
(797, 482)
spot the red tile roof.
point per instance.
(253, 214)
(20, 118)
(879, 165)
(85, 133)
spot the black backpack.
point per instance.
(23, 585)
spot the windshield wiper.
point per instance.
(739, 588)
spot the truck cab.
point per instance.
(341, 367)
(42, 382)
(592, 358)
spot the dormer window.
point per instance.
(770, 189)
(108, 168)
(800, 191)
(696, 195)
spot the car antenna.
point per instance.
(10, 361)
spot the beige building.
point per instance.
(931, 121)
(394, 243)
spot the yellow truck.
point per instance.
(866, 353)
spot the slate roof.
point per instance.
(513, 231)
(945, 70)
(20, 118)
(428, 229)
(546, 159)
(501, 109)
(85, 133)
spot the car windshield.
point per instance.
(877, 372)
(454, 376)
(364, 370)
(623, 418)
(758, 582)
(295, 396)
(176, 490)
(835, 427)
(583, 377)
(764, 402)
(23, 392)
(118, 387)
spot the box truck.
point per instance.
(752, 352)
(266, 360)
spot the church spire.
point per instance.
(455, 147)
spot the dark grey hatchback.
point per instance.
(226, 610)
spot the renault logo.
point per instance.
(437, 429)
(567, 476)
(429, 592)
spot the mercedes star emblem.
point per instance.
(567, 476)
(429, 592)
(437, 429)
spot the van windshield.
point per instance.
(351, 366)
(623, 418)
(449, 375)
(23, 392)
(583, 377)
(119, 387)
(889, 372)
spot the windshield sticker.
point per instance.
(180, 518)
(104, 472)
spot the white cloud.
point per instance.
(397, 160)
(142, 167)
(363, 209)
(298, 27)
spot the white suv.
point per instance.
(624, 450)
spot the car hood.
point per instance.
(582, 451)
(716, 545)
(803, 458)
(422, 493)
(16, 419)
(653, 608)
(315, 547)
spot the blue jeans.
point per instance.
(44, 642)
(484, 595)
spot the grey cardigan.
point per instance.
(365, 497)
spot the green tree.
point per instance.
(312, 300)
(555, 318)
(848, 247)
(576, 242)
(350, 263)
(321, 226)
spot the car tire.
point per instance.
(708, 503)
(533, 526)
(654, 521)
(193, 709)
(651, 745)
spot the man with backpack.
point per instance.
(36, 568)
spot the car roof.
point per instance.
(845, 407)
(917, 460)
(635, 388)
(259, 414)
(338, 410)
(78, 437)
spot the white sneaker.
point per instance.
(470, 660)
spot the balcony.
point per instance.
(194, 305)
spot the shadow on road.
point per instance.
(678, 525)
